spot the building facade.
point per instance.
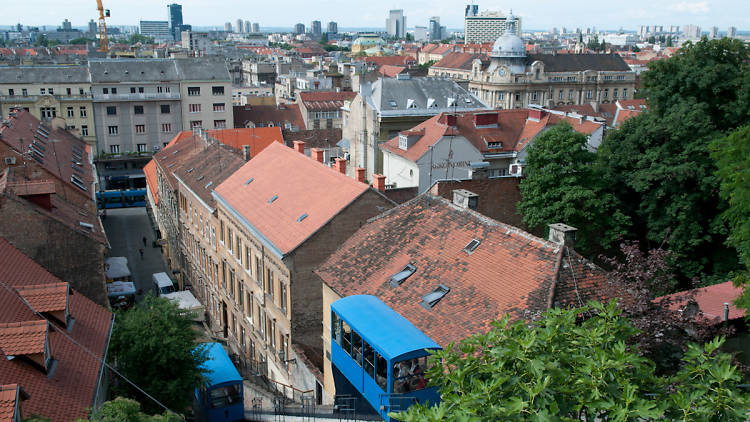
(487, 26)
(395, 25)
(322, 109)
(158, 30)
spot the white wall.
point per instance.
(396, 169)
(440, 164)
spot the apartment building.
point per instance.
(206, 92)
(51, 91)
(322, 109)
(280, 215)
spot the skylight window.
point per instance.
(467, 100)
(393, 103)
(302, 217)
(249, 181)
(200, 178)
(472, 246)
(209, 184)
(190, 170)
(431, 299)
(273, 198)
(401, 276)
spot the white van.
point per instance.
(162, 284)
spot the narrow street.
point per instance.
(126, 228)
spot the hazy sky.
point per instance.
(536, 14)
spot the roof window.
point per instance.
(401, 276)
(302, 217)
(209, 184)
(273, 198)
(190, 170)
(393, 103)
(431, 299)
(200, 178)
(472, 246)
(249, 181)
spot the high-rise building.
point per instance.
(714, 32)
(732, 32)
(488, 26)
(158, 30)
(692, 31)
(395, 25)
(333, 27)
(315, 29)
(238, 26)
(434, 28)
(247, 27)
(174, 12)
(256, 28)
(93, 27)
(299, 28)
(67, 26)
(228, 27)
(420, 33)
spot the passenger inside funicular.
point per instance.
(408, 375)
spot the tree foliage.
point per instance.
(557, 369)
(562, 186)
(127, 410)
(153, 346)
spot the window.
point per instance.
(216, 90)
(535, 96)
(589, 94)
(606, 92)
(80, 91)
(220, 124)
(71, 113)
(138, 109)
(269, 283)
(159, 89)
(230, 240)
(219, 107)
(11, 93)
(140, 129)
(24, 92)
(132, 90)
(42, 91)
(368, 361)
(82, 111)
(615, 93)
(225, 396)
(472, 246)
(408, 375)
(142, 148)
(84, 130)
(561, 95)
(140, 90)
(194, 108)
(239, 249)
(48, 112)
(401, 276)
(114, 90)
(240, 294)
(166, 127)
(105, 90)
(111, 111)
(282, 297)
(196, 124)
(357, 348)
(165, 109)
(336, 328)
(114, 149)
(381, 371)
(624, 93)
(258, 270)
(247, 259)
(346, 337)
(194, 91)
(431, 299)
(112, 130)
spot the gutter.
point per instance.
(104, 360)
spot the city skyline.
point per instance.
(536, 14)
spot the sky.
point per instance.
(535, 14)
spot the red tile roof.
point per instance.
(710, 300)
(461, 61)
(23, 338)
(389, 60)
(69, 392)
(287, 185)
(391, 71)
(510, 271)
(280, 115)
(149, 170)
(46, 297)
(8, 399)
(256, 138)
(325, 100)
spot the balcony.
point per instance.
(34, 98)
(137, 97)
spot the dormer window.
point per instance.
(403, 142)
(431, 103)
(51, 300)
(410, 103)
(451, 102)
(28, 341)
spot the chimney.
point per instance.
(450, 120)
(379, 182)
(299, 146)
(726, 311)
(246, 152)
(340, 165)
(562, 234)
(465, 199)
(318, 154)
(360, 174)
(478, 170)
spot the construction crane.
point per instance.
(103, 14)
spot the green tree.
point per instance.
(562, 185)
(652, 40)
(556, 369)
(670, 43)
(593, 43)
(732, 156)
(324, 38)
(658, 164)
(139, 38)
(154, 346)
(127, 410)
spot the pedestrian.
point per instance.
(140, 250)
(144, 241)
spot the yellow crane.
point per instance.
(103, 13)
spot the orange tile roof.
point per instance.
(67, 394)
(710, 300)
(149, 170)
(510, 271)
(256, 138)
(462, 61)
(390, 71)
(300, 186)
(8, 397)
(23, 338)
(46, 297)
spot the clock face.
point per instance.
(502, 72)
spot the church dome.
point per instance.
(508, 46)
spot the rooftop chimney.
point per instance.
(318, 154)
(299, 146)
(340, 165)
(450, 120)
(562, 234)
(465, 199)
(360, 174)
(726, 311)
(246, 152)
(378, 182)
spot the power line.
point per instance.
(72, 340)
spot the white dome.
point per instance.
(509, 45)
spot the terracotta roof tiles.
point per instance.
(46, 297)
(8, 398)
(710, 300)
(23, 338)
